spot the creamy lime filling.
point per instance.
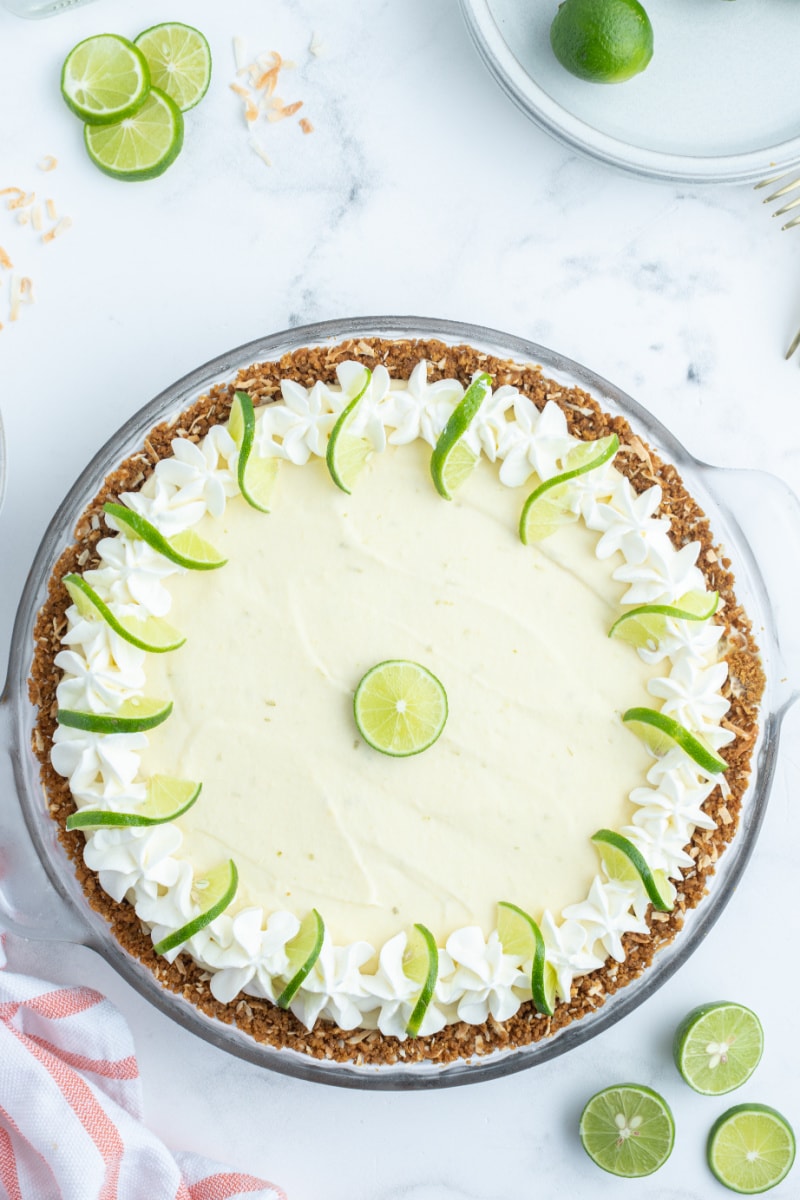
(533, 759)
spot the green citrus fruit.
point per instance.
(603, 41)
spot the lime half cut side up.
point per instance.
(166, 800)
(646, 624)
(142, 145)
(717, 1047)
(105, 79)
(179, 60)
(662, 733)
(626, 864)
(302, 952)
(547, 507)
(520, 935)
(628, 1130)
(186, 549)
(400, 708)
(453, 461)
(149, 633)
(347, 453)
(213, 892)
(421, 965)
(256, 476)
(136, 715)
(751, 1148)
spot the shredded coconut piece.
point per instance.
(250, 109)
(36, 217)
(21, 293)
(48, 163)
(11, 191)
(316, 46)
(63, 225)
(23, 200)
(306, 125)
(258, 149)
(50, 205)
(23, 217)
(238, 53)
(5, 261)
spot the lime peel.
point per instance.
(421, 965)
(136, 715)
(347, 455)
(184, 549)
(635, 627)
(151, 634)
(166, 800)
(255, 475)
(452, 461)
(543, 511)
(625, 863)
(660, 733)
(219, 892)
(520, 935)
(302, 951)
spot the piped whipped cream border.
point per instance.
(246, 952)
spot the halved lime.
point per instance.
(347, 454)
(400, 708)
(645, 625)
(546, 508)
(628, 1130)
(105, 79)
(151, 633)
(167, 799)
(134, 716)
(142, 145)
(179, 60)
(256, 475)
(751, 1148)
(213, 891)
(452, 461)
(303, 951)
(520, 935)
(717, 1047)
(624, 863)
(421, 964)
(186, 549)
(661, 734)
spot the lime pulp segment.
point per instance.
(256, 475)
(149, 633)
(186, 549)
(624, 863)
(179, 60)
(661, 733)
(751, 1148)
(348, 454)
(143, 144)
(452, 461)
(302, 952)
(520, 935)
(166, 800)
(421, 964)
(400, 708)
(546, 508)
(105, 79)
(627, 1130)
(717, 1047)
(214, 892)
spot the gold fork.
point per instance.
(779, 193)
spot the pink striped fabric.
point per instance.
(71, 1107)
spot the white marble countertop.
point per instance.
(422, 190)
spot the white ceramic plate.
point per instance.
(720, 100)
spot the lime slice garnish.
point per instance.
(179, 60)
(628, 1130)
(347, 455)
(104, 79)
(256, 475)
(645, 625)
(751, 1148)
(213, 891)
(150, 634)
(186, 549)
(717, 1047)
(400, 708)
(520, 935)
(141, 146)
(421, 964)
(134, 716)
(167, 799)
(546, 507)
(661, 734)
(624, 863)
(303, 951)
(452, 461)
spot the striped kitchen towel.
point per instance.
(71, 1107)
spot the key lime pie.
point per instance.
(394, 701)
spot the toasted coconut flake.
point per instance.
(268, 80)
(24, 200)
(250, 108)
(289, 110)
(5, 261)
(306, 125)
(23, 217)
(36, 217)
(63, 225)
(50, 206)
(11, 191)
(238, 53)
(316, 45)
(258, 149)
(48, 163)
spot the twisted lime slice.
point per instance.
(520, 935)
(717, 1047)
(214, 891)
(256, 475)
(400, 708)
(150, 634)
(142, 145)
(628, 1130)
(546, 507)
(661, 734)
(184, 549)
(452, 461)
(105, 79)
(179, 60)
(421, 965)
(347, 454)
(302, 951)
(134, 716)
(624, 863)
(645, 625)
(167, 799)
(751, 1148)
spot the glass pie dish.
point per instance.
(755, 517)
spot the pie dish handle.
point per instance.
(766, 511)
(30, 904)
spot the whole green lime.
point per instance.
(604, 41)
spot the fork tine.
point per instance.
(794, 345)
(766, 182)
(791, 224)
(782, 191)
(787, 207)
